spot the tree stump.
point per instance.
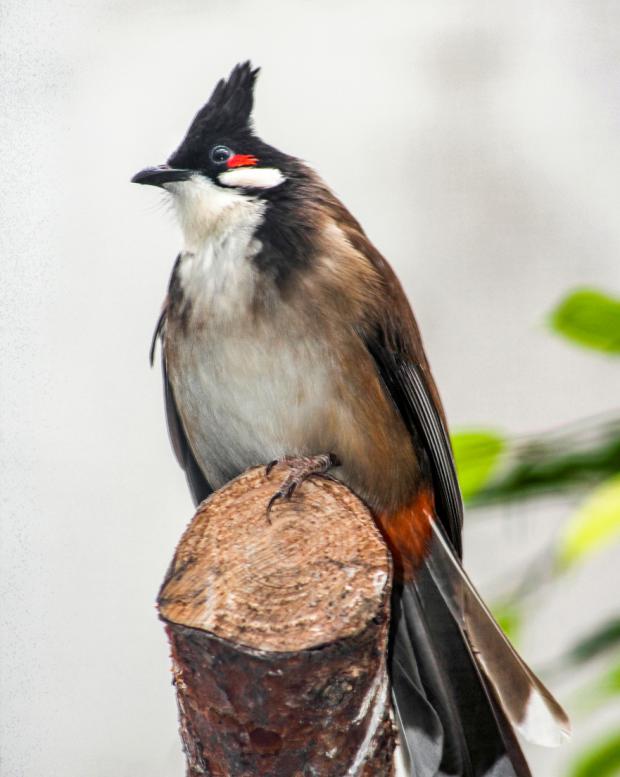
(278, 629)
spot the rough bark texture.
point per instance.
(278, 629)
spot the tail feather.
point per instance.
(421, 729)
(451, 724)
(459, 687)
(529, 706)
(436, 749)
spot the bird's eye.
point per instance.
(220, 154)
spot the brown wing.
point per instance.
(198, 485)
(392, 337)
(406, 382)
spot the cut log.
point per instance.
(278, 627)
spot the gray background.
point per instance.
(478, 144)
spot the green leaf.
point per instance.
(589, 318)
(476, 454)
(577, 455)
(596, 523)
(602, 760)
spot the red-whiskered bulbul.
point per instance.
(287, 335)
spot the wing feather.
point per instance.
(198, 484)
(417, 404)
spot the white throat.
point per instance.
(215, 270)
(208, 212)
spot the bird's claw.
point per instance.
(301, 469)
(269, 467)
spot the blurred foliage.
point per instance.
(605, 689)
(599, 641)
(602, 760)
(496, 469)
(476, 454)
(589, 318)
(595, 523)
(509, 618)
(583, 457)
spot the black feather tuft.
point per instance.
(227, 113)
(230, 105)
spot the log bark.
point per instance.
(278, 630)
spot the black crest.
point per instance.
(226, 120)
(229, 108)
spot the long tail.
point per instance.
(459, 687)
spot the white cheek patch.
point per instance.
(252, 177)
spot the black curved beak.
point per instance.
(158, 176)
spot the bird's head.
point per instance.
(220, 147)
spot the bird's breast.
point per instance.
(256, 382)
(249, 386)
(248, 395)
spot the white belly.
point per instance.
(251, 395)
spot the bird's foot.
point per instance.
(300, 469)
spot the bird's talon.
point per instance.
(271, 503)
(269, 467)
(300, 470)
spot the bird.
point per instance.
(286, 336)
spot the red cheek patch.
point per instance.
(242, 160)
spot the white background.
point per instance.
(477, 143)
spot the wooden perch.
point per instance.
(278, 628)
